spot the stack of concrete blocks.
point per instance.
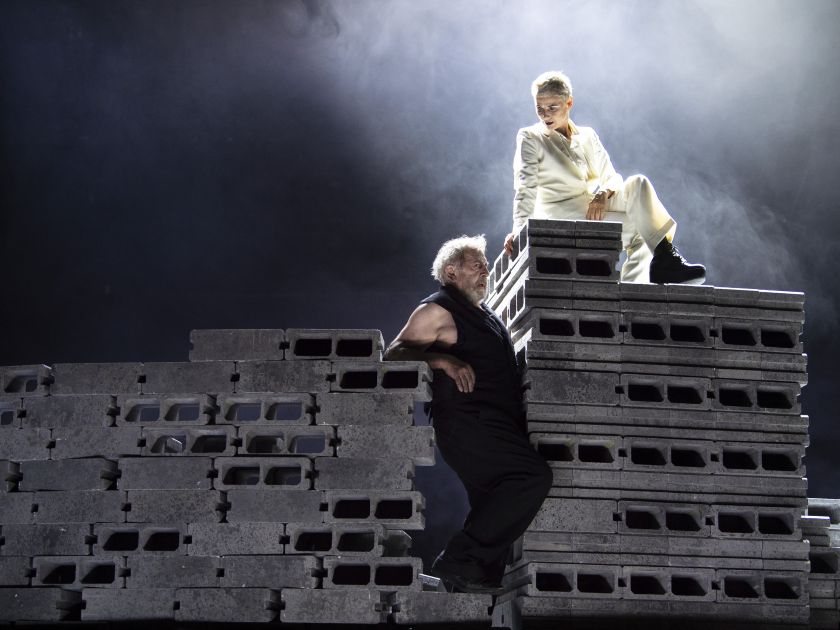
(822, 529)
(271, 478)
(670, 416)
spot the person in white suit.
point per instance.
(562, 171)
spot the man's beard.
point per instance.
(475, 294)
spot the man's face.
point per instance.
(470, 276)
(554, 111)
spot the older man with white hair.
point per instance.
(477, 415)
(562, 171)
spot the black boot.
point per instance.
(668, 267)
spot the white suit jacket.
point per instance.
(552, 173)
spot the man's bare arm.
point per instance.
(430, 323)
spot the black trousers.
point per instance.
(505, 478)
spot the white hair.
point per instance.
(553, 83)
(452, 252)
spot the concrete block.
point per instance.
(92, 441)
(14, 571)
(45, 540)
(270, 571)
(205, 377)
(227, 605)
(385, 574)
(334, 539)
(21, 445)
(9, 476)
(566, 450)
(575, 515)
(310, 441)
(410, 377)
(148, 604)
(175, 410)
(825, 507)
(190, 441)
(315, 606)
(362, 409)
(95, 378)
(288, 473)
(68, 412)
(172, 572)
(16, 507)
(824, 618)
(594, 388)
(282, 376)
(574, 326)
(777, 587)
(309, 343)
(673, 519)
(165, 473)
(430, 607)
(757, 335)
(278, 505)
(148, 539)
(387, 442)
(264, 344)
(341, 473)
(640, 390)
(552, 354)
(266, 409)
(94, 473)
(821, 588)
(25, 381)
(39, 604)
(79, 506)
(229, 539)
(665, 329)
(644, 583)
(174, 506)
(11, 410)
(766, 397)
(392, 509)
(79, 571)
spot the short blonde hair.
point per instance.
(453, 252)
(552, 82)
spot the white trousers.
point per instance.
(644, 222)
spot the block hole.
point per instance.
(595, 453)
(737, 336)
(780, 588)
(265, 444)
(58, 573)
(777, 338)
(593, 267)
(126, 540)
(100, 574)
(647, 456)
(686, 587)
(22, 383)
(739, 460)
(646, 585)
(823, 562)
(211, 443)
(737, 587)
(359, 380)
(643, 393)
(400, 380)
(593, 583)
(312, 348)
(681, 522)
(600, 329)
(352, 508)
(356, 541)
(651, 332)
(242, 476)
(244, 412)
(284, 411)
(555, 451)
(308, 444)
(779, 524)
(734, 524)
(687, 458)
(554, 266)
(773, 399)
(284, 476)
(822, 510)
(684, 395)
(354, 348)
(143, 413)
(641, 519)
(557, 327)
(313, 541)
(183, 412)
(553, 582)
(685, 333)
(7, 417)
(164, 540)
(351, 574)
(394, 575)
(169, 444)
(394, 509)
(780, 461)
(734, 397)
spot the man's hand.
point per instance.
(598, 206)
(508, 246)
(460, 372)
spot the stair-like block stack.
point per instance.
(670, 417)
(822, 529)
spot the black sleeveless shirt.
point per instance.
(484, 343)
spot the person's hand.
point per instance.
(460, 372)
(508, 246)
(598, 206)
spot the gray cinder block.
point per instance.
(575, 515)
(270, 571)
(239, 605)
(24, 444)
(353, 539)
(95, 378)
(311, 441)
(265, 409)
(410, 377)
(165, 473)
(255, 504)
(141, 538)
(228, 539)
(149, 604)
(68, 412)
(206, 377)
(286, 473)
(25, 381)
(361, 409)
(68, 539)
(340, 473)
(387, 574)
(430, 607)
(331, 606)
(9, 475)
(16, 507)
(79, 571)
(825, 507)
(387, 442)
(282, 376)
(39, 604)
(641, 390)
(392, 509)
(174, 506)
(92, 441)
(171, 571)
(79, 506)
(264, 344)
(172, 410)
(94, 473)
(309, 343)
(171, 441)
(14, 571)
(595, 388)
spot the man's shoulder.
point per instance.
(535, 130)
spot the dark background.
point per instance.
(167, 165)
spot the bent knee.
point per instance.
(637, 180)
